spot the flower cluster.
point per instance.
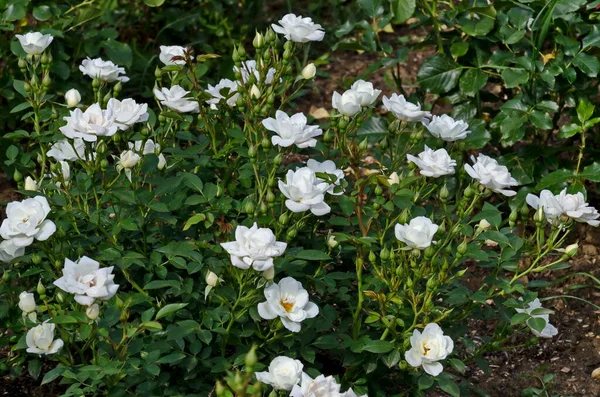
(361, 94)
(563, 206)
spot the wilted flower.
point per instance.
(93, 311)
(492, 175)
(64, 150)
(102, 70)
(289, 301)
(327, 167)
(231, 93)
(428, 348)
(433, 163)
(549, 330)
(418, 233)
(89, 125)
(72, 97)
(348, 104)
(564, 205)
(320, 386)
(298, 29)
(9, 251)
(304, 191)
(368, 95)
(309, 71)
(249, 67)
(174, 98)
(404, 110)
(27, 302)
(254, 247)
(34, 43)
(40, 339)
(168, 52)
(127, 112)
(283, 374)
(446, 128)
(26, 220)
(292, 130)
(30, 184)
(87, 281)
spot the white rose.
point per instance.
(30, 184)
(292, 130)
(418, 233)
(10, 251)
(549, 330)
(304, 191)
(283, 374)
(351, 393)
(168, 52)
(327, 167)
(254, 247)
(228, 87)
(129, 159)
(309, 71)
(404, 110)
(87, 281)
(102, 70)
(492, 175)
(27, 302)
(72, 97)
(428, 348)
(564, 205)
(149, 147)
(368, 95)
(298, 29)
(93, 311)
(89, 125)
(64, 150)
(34, 43)
(174, 98)
(433, 163)
(289, 301)
(320, 386)
(446, 128)
(127, 112)
(483, 225)
(26, 220)
(40, 339)
(349, 103)
(211, 279)
(249, 67)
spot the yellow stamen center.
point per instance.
(288, 306)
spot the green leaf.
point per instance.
(194, 219)
(53, 374)
(585, 110)
(593, 38)
(472, 81)
(457, 365)
(64, 319)
(449, 387)
(373, 8)
(34, 368)
(490, 214)
(392, 359)
(154, 3)
(156, 284)
(554, 178)
(119, 53)
(21, 106)
(169, 309)
(312, 255)
(514, 77)
(347, 205)
(42, 13)
(478, 21)
(588, 64)
(425, 382)
(537, 323)
(326, 342)
(591, 172)
(171, 358)
(14, 12)
(151, 325)
(192, 181)
(568, 130)
(459, 48)
(403, 9)
(378, 346)
(541, 120)
(439, 74)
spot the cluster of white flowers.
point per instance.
(563, 206)
(361, 94)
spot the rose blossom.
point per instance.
(309, 71)
(26, 220)
(231, 93)
(365, 91)
(305, 191)
(30, 184)
(127, 112)
(168, 52)
(89, 125)
(40, 339)
(64, 150)
(428, 348)
(433, 163)
(418, 233)
(249, 67)
(283, 373)
(549, 330)
(404, 110)
(327, 167)
(564, 205)
(26, 302)
(348, 104)
(298, 29)
(254, 247)
(174, 98)
(34, 43)
(10, 251)
(87, 281)
(289, 301)
(446, 128)
(102, 70)
(149, 148)
(492, 175)
(320, 386)
(292, 130)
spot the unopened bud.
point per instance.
(241, 53)
(72, 98)
(444, 193)
(278, 160)
(40, 288)
(384, 254)
(252, 152)
(309, 71)
(22, 63)
(45, 59)
(118, 87)
(211, 279)
(254, 92)
(331, 241)
(539, 216)
(364, 145)
(571, 250)
(93, 311)
(46, 81)
(372, 257)
(30, 184)
(36, 259)
(265, 143)
(259, 40)
(250, 360)
(17, 176)
(291, 233)
(269, 274)
(462, 247)
(284, 219)
(469, 192)
(403, 217)
(96, 83)
(249, 207)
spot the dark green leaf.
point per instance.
(403, 9)
(449, 387)
(514, 77)
(378, 346)
(554, 178)
(312, 255)
(119, 53)
(439, 74)
(568, 130)
(34, 368)
(42, 13)
(154, 3)
(472, 81)
(591, 172)
(541, 120)
(588, 64)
